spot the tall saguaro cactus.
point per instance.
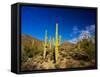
(59, 40)
(56, 44)
(45, 45)
(53, 42)
(50, 43)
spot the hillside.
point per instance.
(27, 41)
(70, 55)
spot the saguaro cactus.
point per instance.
(50, 43)
(32, 43)
(56, 44)
(45, 45)
(53, 42)
(59, 40)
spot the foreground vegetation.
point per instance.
(80, 54)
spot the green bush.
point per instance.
(88, 47)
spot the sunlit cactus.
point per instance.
(50, 43)
(59, 40)
(45, 45)
(53, 43)
(56, 44)
(32, 43)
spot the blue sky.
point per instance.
(71, 22)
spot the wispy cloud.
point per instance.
(74, 40)
(84, 33)
(88, 31)
(91, 29)
(75, 30)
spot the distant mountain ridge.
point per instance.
(26, 40)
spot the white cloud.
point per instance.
(91, 29)
(74, 40)
(75, 30)
(84, 33)
(88, 31)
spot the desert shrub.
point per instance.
(88, 47)
(36, 51)
(29, 65)
(24, 56)
(26, 53)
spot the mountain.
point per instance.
(27, 40)
(67, 46)
(66, 43)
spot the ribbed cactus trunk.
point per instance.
(45, 45)
(53, 42)
(59, 40)
(32, 43)
(50, 43)
(56, 44)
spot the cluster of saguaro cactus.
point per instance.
(52, 43)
